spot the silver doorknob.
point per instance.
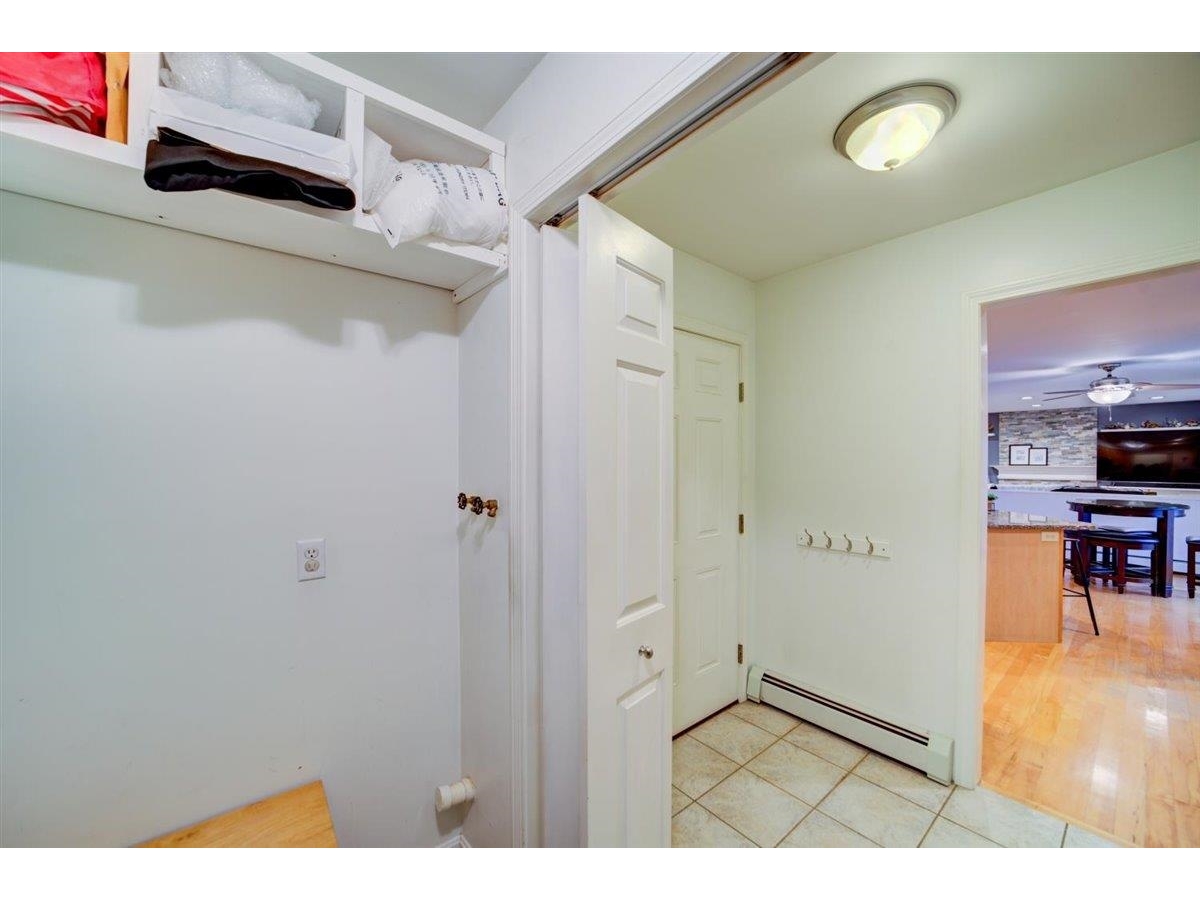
(645, 651)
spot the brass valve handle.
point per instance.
(477, 505)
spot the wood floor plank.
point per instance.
(1104, 731)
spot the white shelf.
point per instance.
(67, 166)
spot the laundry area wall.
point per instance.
(177, 412)
(879, 453)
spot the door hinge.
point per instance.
(739, 654)
(741, 392)
(741, 523)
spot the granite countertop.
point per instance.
(1018, 521)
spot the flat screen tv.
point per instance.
(1160, 457)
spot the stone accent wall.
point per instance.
(1069, 434)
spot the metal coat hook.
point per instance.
(849, 542)
(810, 536)
(828, 539)
(870, 546)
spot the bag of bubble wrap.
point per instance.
(235, 81)
(418, 198)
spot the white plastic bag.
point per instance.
(379, 170)
(456, 203)
(417, 198)
(234, 81)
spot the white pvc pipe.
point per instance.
(448, 795)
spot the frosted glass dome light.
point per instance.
(1108, 394)
(889, 130)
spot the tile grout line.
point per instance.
(937, 815)
(740, 767)
(815, 807)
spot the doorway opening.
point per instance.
(859, 432)
(1089, 680)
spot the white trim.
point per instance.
(455, 840)
(972, 441)
(525, 583)
(560, 178)
(747, 544)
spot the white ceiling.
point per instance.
(767, 192)
(1053, 341)
(470, 87)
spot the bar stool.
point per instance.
(1079, 561)
(1193, 547)
(1115, 545)
(1105, 567)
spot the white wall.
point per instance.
(709, 293)
(177, 411)
(487, 720)
(859, 372)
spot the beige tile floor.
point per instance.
(756, 776)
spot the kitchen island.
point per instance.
(1025, 577)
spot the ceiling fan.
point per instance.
(1114, 389)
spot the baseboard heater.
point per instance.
(931, 753)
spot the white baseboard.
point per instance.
(456, 840)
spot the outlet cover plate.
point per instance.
(310, 559)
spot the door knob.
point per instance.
(645, 651)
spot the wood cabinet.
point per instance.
(1024, 585)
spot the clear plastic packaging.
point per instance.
(418, 198)
(234, 81)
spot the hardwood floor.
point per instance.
(1103, 730)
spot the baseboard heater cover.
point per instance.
(931, 753)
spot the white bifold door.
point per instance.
(626, 418)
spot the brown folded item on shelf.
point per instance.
(177, 162)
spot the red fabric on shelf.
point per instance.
(67, 88)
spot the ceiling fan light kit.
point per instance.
(1112, 389)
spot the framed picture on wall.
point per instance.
(1039, 456)
(1018, 454)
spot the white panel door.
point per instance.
(627, 332)
(706, 527)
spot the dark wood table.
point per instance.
(1164, 514)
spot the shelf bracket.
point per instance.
(477, 283)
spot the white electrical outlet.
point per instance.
(310, 559)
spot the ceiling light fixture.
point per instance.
(889, 130)
(1159, 397)
(1037, 406)
(1108, 394)
(1026, 398)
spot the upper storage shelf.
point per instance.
(57, 163)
